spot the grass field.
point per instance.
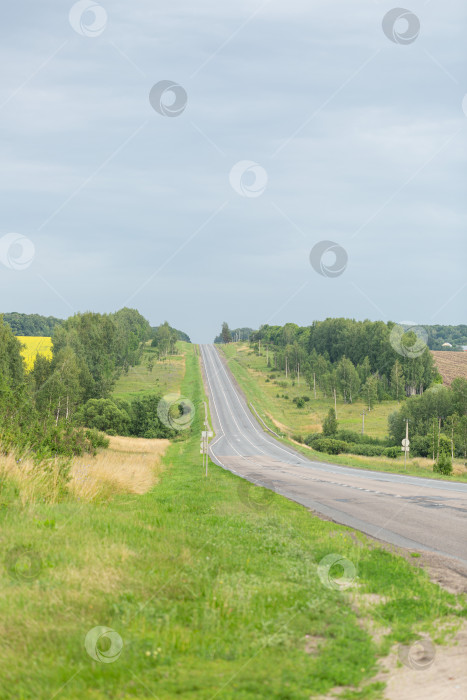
(265, 385)
(165, 377)
(450, 365)
(209, 589)
(33, 346)
(282, 416)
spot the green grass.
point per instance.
(166, 376)
(252, 371)
(281, 415)
(212, 585)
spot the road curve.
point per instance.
(417, 513)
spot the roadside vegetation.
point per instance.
(210, 587)
(289, 408)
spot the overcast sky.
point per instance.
(359, 140)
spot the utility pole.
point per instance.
(363, 421)
(406, 442)
(314, 383)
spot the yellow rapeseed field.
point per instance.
(34, 345)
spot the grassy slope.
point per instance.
(165, 377)
(251, 372)
(212, 585)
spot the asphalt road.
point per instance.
(416, 513)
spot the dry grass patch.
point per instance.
(129, 465)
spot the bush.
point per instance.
(145, 421)
(392, 452)
(299, 402)
(312, 437)
(298, 438)
(421, 445)
(443, 465)
(330, 446)
(105, 415)
(354, 437)
(365, 450)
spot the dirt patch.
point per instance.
(450, 365)
(427, 671)
(278, 424)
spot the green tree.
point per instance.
(397, 381)
(330, 423)
(348, 380)
(225, 333)
(370, 391)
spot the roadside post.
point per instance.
(406, 444)
(205, 435)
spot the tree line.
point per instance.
(32, 324)
(350, 358)
(48, 411)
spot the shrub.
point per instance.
(443, 465)
(354, 437)
(421, 445)
(298, 438)
(312, 437)
(299, 402)
(392, 452)
(105, 415)
(330, 446)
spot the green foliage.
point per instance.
(31, 324)
(320, 348)
(421, 445)
(226, 335)
(145, 421)
(105, 415)
(330, 424)
(443, 464)
(437, 335)
(165, 339)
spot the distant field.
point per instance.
(451, 365)
(267, 393)
(33, 346)
(165, 377)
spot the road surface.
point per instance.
(412, 512)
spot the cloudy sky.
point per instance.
(295, 122)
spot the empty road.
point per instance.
(417, 513)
